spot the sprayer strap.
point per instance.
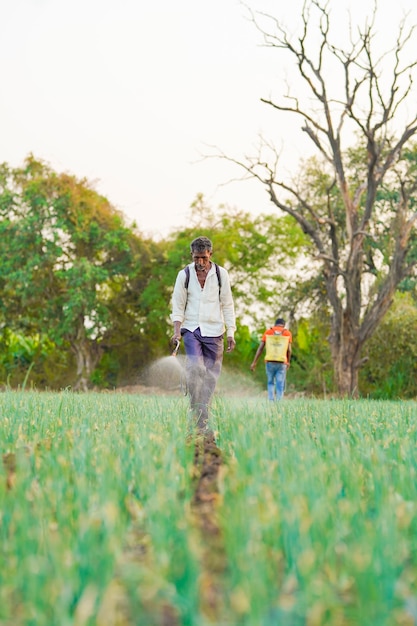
(187, 276)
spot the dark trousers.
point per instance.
(203, 367)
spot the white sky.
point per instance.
(127, 93)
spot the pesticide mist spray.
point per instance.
(168, 373)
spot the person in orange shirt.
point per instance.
(277, 340)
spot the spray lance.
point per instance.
(175, 350)
(183, 382)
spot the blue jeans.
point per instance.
(202, 368)
(276, 374)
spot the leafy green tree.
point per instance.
(69, 263)
(257, 252)
(311, 366)
(32, 360)
(390, 370)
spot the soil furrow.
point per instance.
(208, 461)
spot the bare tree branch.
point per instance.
(350, 86)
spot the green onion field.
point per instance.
(301, 513)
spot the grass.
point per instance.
(317, 512)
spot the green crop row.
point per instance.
(93, 522)
(313, 522)
(319, 512)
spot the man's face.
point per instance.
(202, 260)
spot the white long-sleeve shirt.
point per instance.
(204, 307)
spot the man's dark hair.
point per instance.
(201, 244)
(279, 321)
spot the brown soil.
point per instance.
(208, 461)
(9, 463)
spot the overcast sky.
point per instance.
(128, 93)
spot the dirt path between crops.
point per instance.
(208, 461)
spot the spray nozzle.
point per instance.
(175, 350)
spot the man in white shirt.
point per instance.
(202, 308)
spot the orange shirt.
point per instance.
(276, 341)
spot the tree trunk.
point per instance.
(84, 367)
(86, 357)
(345, 348)
(346, 368)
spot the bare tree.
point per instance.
(372, 91)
